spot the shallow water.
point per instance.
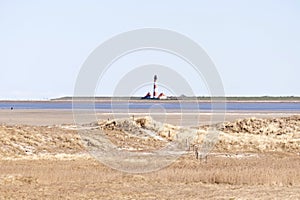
(190, 106)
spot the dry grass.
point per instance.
(268, 176)
(267, 169)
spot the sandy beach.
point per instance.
(43, 156)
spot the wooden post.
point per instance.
(196, 153)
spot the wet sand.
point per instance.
(60, 116)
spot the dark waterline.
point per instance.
(204, 106)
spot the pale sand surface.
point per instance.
(59, 116)
(50, 162)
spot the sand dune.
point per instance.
(25, 140)
(144, 133)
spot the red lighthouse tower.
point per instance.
(154, 87)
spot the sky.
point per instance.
(255, 45)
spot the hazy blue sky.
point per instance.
(254, 44)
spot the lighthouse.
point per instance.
(155, 94)
(155, 87)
